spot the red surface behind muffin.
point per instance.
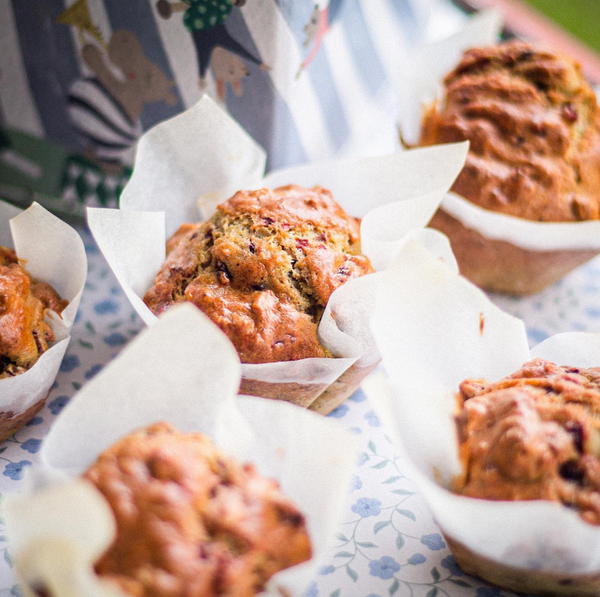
(533, 435)
(191, 521)
(24, 335)
(263, 268)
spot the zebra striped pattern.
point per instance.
(101, 122)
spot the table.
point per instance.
(387, 544)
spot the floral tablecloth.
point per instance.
(388, 544)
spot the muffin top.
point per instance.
(533, 435)
(263, 268)
(191, 521)
(534, 129)
(24, 335)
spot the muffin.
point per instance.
(190, 520)
(534, 129)
(24, 335)
(263, 268)
(534, 435)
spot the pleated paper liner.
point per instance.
(182, 370)
(434, 331)
(51, 251)
(498, 252)
(187, 165)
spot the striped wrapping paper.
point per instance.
(80, 80)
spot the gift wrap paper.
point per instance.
(82, 81)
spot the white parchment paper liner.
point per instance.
(433, 331)
(203, 152)
(185, 371)
(424, 85)
(52, 252)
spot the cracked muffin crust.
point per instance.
(534, 129)
(263, 268)
(24, 335)
(533, 435)
(191, 521)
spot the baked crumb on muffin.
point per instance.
(534, 129)
(192, 521)
(533, 435)
(263, 268)
(24, 335)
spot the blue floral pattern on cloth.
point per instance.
(366, 507)
(339, 412)
(387, 544)
(372, 419)
(356, 483)
(450, 564)
(31, 445)
(15, 470)
(384, 567)
(434, 541)
(58, 404)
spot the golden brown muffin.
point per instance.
(263, 268)
(533, 435)
(24, 335)
(534, 129)
(190, 521)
